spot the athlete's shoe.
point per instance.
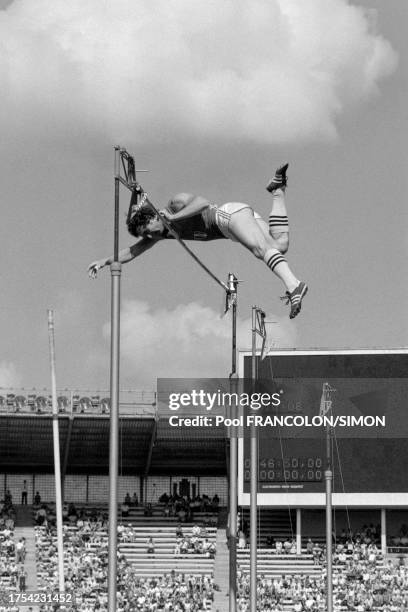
(295, 299)
(279, 180)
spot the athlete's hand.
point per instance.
(166, 214)
(94, 267)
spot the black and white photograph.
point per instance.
(203, 340)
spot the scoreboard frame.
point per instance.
(304, 499)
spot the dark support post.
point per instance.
(325, 408)
(258, 328)
(114, 400)
(329, 548)
(328, 475)
(233, 456)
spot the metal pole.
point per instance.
(253, 544)
(114, 400)
(384, 531)
(116, 212)
(298, 531)
(57, 462)
(329, 529)
(233, 502)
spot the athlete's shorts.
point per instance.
(224, 213)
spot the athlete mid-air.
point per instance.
(196, 218)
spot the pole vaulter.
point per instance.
(193, 217)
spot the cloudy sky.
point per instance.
(210, 97)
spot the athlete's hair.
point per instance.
(137, 222)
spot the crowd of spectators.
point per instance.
(197, 542)
(183, 507)
(128, 503)
(86, 566)
(369, 534)
(274, 594)
(12, 555)
(362, 581)
(170, 593)
(85, 562)
(44, 515)
(399, 540)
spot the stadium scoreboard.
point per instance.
(367, 462)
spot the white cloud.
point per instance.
(9, 375)
(189, 341)
(264, 70)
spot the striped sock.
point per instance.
(278, 223)
(273, 258)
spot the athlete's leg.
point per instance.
(246, 229)
(294, 297)
(278, 217)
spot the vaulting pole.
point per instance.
(114, 400)
(233, 488)
(57, 460)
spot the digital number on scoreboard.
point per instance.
(286, 470)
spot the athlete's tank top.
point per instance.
(202, 226)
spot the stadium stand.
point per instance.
(164, 563)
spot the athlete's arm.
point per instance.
(125, 255)
(185, 205)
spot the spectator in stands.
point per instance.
(37, 499)
(24, 493)
(164, 499)
(287, 545)
(309, 546)
(317, 553)
(182, 515)
(72, 513)
(196, 530)
(22, 578)
(270, 541)
(128, 499)
(150, 546)
(20, 551)
(9, 522)
(148, 511)
(241, 540)
(177, 547)
(215, 502)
